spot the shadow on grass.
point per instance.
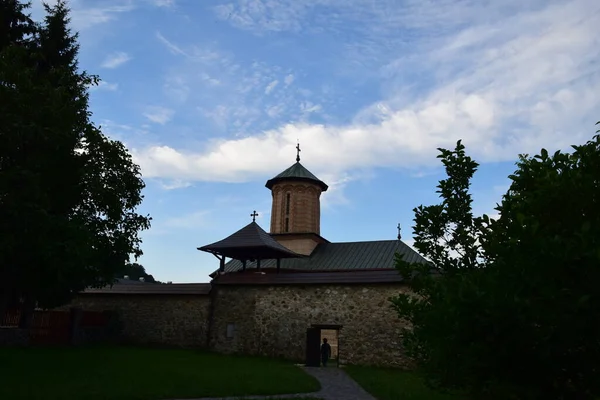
(132, 373)
(395, 384)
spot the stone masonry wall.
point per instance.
(175, 320)
(272, 321)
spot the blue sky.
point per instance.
(211, 96)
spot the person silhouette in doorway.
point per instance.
(325, 352)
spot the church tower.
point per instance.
(296, 208)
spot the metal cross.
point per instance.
(254, 215)
(298, 152)
(399, 235)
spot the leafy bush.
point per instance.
(510, 310)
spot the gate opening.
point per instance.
(314, 337)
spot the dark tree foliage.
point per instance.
(136, 271)
(68, 194)
(16, 27)
(513, 312)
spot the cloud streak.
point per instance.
(115, 60)
(159, 115)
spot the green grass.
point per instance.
(127, 373)
(394, 384)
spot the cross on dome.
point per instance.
(298, 152)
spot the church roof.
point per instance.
(308, 278)
(136, 287)
(296, 172)
(347, 256)
(249, 243)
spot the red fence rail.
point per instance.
(55, 327)
(50, 327)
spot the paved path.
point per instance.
(335, 385)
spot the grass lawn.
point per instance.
(394, 384)
(127, 373)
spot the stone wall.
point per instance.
(174, 320)
(272, 321)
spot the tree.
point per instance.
(68, 194)
(16, 26)
(442, 305)
(522, 320)
(546, 249)
(136, 271)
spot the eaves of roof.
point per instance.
(296, 172)
(349, 256)
(310, 278)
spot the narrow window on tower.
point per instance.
(287, 212)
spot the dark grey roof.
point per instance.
(152, 288)
(249, 243)
(349, 256)
(311, 278)
(296, 172)
(123, 281)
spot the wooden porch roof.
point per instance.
(250, 243)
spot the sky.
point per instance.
(211, 97)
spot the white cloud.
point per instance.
(289, 79)
(173, 48)
(174, 184)
(159, 115)
(307, 107)
(83, 16)
(115, 60)
(238, 97)
(334, 195)
(103, 85)
(506, 85)
(124, 132)
(210, 80)
(271, 86)
(164, 3)
(264, 14)
(275, 110)
(88, 17)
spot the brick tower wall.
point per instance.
(303, 215)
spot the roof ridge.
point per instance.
(370, 241)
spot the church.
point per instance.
(277, 293)
(280, 293)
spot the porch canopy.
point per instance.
(249, 243)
